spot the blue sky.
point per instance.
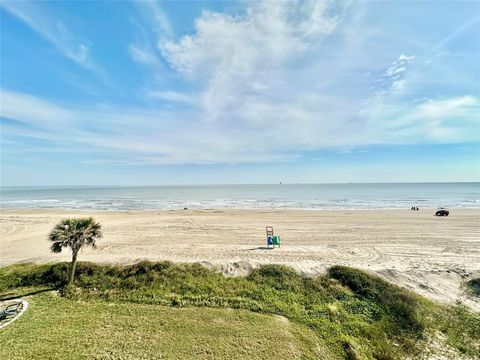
(143, 92)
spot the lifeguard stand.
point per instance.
(272, 240)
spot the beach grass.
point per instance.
(473, 286)
(344, 314)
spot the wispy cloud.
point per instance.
(444, 120)
(173, 96)
(468, 25)
(154, 21)
(239, 58)
(392, 78)
(37, 17)
(143, 55)
(403, 57)
(156, 17)
(139, 136)
(270, 83)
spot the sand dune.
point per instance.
(416, 250)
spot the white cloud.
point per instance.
(156, 17)
(395, 70)
(139, 136)
(451, 119)
(153, 19)
(29, 109)
(393, 116)
(466, 26)
(142, 55)
(172, 96)
(447, 120)
(399, 66)
(390, 84)
(406, 57)
(130, 135)
(53, 30)
(454, 107)
(240, 57)
(267, 85)
(268, 35)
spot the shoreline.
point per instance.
(33, 209)
(414, 249)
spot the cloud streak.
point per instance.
(54, 31)
(270, 83)
(137, 136)
(143, 50)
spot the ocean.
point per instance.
(280, 196)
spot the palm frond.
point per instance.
(74, 233)
(56, 247)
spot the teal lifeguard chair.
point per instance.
(272, 240)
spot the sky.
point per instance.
(199, 92)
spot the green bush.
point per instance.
(354, 314)
(400, 304)
(474, 286)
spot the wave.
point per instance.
(314, 197)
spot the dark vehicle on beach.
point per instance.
(442, 212)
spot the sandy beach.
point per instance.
(417, 250)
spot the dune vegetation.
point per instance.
(473, 286)
(188, 311)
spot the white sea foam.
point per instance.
(298, 196)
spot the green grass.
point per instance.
(68, 329)
(473, 286)
(345, 314)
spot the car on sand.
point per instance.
(442, 212)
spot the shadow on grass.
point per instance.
(6, 298)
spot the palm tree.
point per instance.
(74, 233)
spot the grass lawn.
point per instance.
(180, 311)
(59, 328)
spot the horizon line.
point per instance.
(239, 184)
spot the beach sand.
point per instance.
(414, 249)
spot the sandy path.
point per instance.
(414, 249)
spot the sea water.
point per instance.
(279, 196)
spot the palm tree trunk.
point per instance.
(71, 274)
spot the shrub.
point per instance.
(353, 313)
(399, 303)
(474, 286)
